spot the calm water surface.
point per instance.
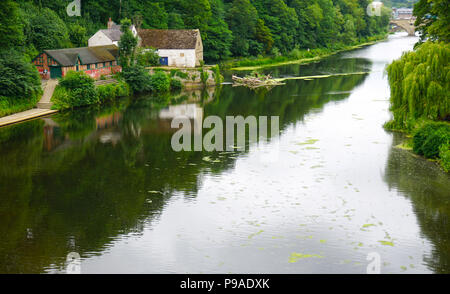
(104, 182)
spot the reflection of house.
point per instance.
(104, 122)
(105, 130)
(180, 48)
(109, 36)
(94, 61)
(191, 111)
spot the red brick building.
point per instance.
(94, 61)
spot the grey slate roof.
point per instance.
(88, 55)
(114, 34)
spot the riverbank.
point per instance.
(295, 57)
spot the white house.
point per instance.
(109, 36)
(178, 48)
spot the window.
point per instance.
(88, 67)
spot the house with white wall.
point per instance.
(109, 36)
(177, 48)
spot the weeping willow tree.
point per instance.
(420, 82)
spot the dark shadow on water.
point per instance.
(427, 186)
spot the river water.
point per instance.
(105, 183)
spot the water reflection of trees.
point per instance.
(427, 186)
(85, 188)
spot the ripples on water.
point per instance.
(105, 183)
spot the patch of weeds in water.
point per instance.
(386, 243)
(297, 256)
(255, 234)
(323, 241)
(277, 237)
(368, 225)
(316, 166)
(404, 268)
(308, 142)
(311, 148)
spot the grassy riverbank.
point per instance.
(296, 56)
(10, 106)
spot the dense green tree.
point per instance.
(127, 44)
(242, 18)
(217, 37)
(77, 35)
(19, 79)
(45, 29)
(11, 28)
(433, 19)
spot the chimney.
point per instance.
(110, 23)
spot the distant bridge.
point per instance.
(406, 24)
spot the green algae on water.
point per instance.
(297, 256)
(386, 243)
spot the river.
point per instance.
(104, 182)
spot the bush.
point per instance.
(218, 77)
(74, 90)
(112, 91)
(429, 139)
(149, 57)
(159, 82)
(20, 85)
(178, 73)
(444, 154)
(204, 76)
(175, 84)
(138, 79)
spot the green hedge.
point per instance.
(432, 140)
(74, 90)
(78, 89)
(159, 82)
(111, 92)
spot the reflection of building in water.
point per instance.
(106, 131)
(106, 127)
(51, 135)
(192, 111)
(104, 122)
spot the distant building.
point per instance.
(109, 36)
(402, 13)
(94, 61)
(178, 48)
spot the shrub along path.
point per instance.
(43, 107)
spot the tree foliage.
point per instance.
(433, 19)
(420, 85)
(228, 27)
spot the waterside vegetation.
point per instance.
(420, 87)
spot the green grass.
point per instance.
(13, 105)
